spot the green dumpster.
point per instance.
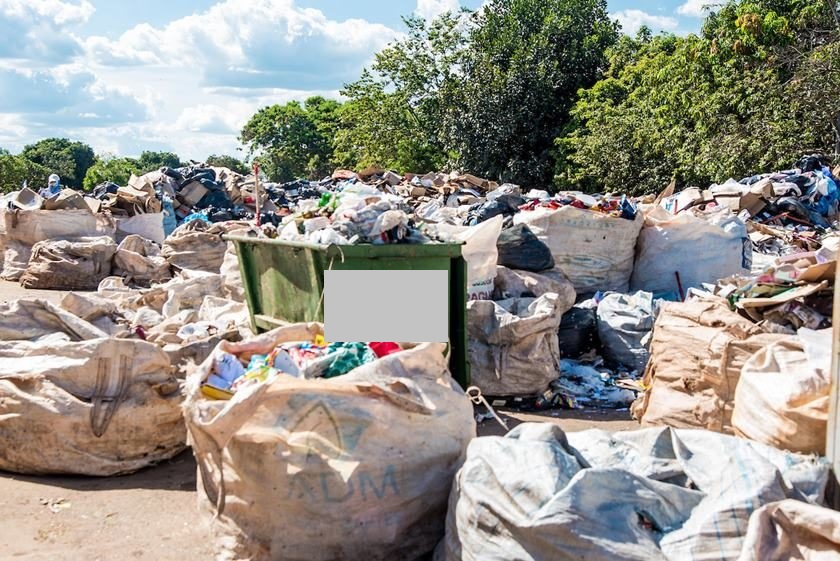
(284, 281)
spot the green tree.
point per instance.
(526, 61)
(230, 162)
(293, 140)
(14, 170)
(153, 161)
(69, 159)
(753, 92)
(395, 114)
(111, 168)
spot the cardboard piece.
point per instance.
(192, 192)
(67, 199)
(752, 203)
(787, 296)
(820, 272)
(344, 174)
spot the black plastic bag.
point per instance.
(578, 333)
(506, 205)
(520, 249)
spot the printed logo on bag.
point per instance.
(332, 471)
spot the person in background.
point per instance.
(53, 187)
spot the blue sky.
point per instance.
(185, 75)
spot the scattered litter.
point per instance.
(56, 505)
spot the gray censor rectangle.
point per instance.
(399, 306)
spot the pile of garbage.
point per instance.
(382, 438)
(698, 308)
(94, 385)
(299, 359)
(665, 494)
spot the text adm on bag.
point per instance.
(402, 306)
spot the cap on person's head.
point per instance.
(54, 179)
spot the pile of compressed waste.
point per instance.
(94, 385)
(704, 309)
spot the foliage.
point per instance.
(14, 170)
(395, 113)
(487, 92)
(755, 90)
(67, 158)
(153, 161)
(525, 63)
(230, 162)
(113, 169)
(293, 140)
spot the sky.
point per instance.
(185, 75)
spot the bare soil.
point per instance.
(152, 515)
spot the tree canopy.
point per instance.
(758, 88)
(69, 159)
(152, 161)
(293, 140)
(14, 170)
(111, 168)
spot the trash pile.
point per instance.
(699, 308)
(155, 226)
(748, 353)
(94, 385)
(299, 359)
(357, 466)
(665, 494)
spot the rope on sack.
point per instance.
(474, 393)
(108, 395)
(329, 268)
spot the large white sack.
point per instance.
(478, 250)
(139, 260)
(649, 495)
(702, 248)
(32, 226)
(79, 264)
(782, 396)
(148, 226)
(22, 229)
(33, 319)
(482, 255)
(595, 250)
(15, 259)
(99, 407)
(513, 346)
(232, 274)
(198, 245)
(625, 323)
(792, 529)
(356, 467)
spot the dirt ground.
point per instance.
(152, 515)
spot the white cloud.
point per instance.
(252, 44)
(210, 119)
(66, 97)
(187, 86)
(430, 9)
(36, 31)
(695, 8)
(631, 20)
(56, 11)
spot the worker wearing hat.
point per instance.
(53, 187)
